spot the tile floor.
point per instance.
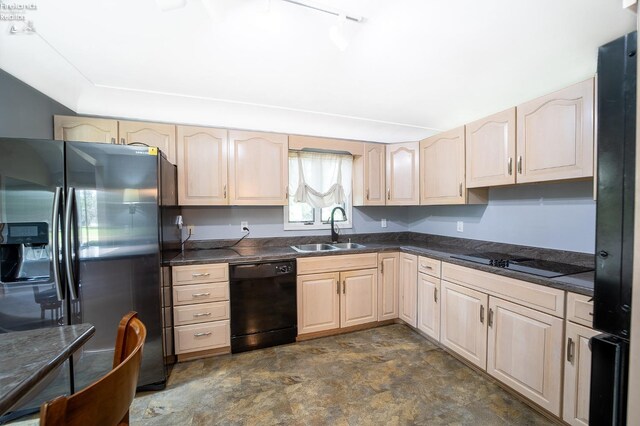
(383, 376)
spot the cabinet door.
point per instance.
(318, 302)
(388, 286)
(525, 352)
(258, 168)
(463, 326)
(403, 174)
(408, 284)
(84, 129)
(555, 135)
(577, 374)
(491, 150)
(428, 306)
(359, 304)
(442, 168)
(374, 174)
(202, 166)
(160, 135)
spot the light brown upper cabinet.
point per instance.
(442, 168)
(555, 135)
(403, 173)
(491, 150)
(202, 166)
(160, 135)
(85, 129)
(369, 176)
(258, 168)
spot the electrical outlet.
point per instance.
(243, 225)
(191, 229)
(460, 226)
(383, 223)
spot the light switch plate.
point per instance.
(460, 226)
(383, 223)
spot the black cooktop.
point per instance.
(542, 268)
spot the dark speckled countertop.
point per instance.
(435, 247)
(26, 357)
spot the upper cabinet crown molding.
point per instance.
(160, 135)
(491, 150)
(85, 129)
(297, 142)
(555, 135)
(442, 168)
(202, 166)
(403, 174)
(258, 168)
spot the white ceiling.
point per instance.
(412, 67)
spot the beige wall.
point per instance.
(633, 416)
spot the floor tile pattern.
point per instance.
(384, 376)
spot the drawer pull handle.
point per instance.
(203, 274)
(201, 294)
(207, 314)
(208, 333)
(426, 266)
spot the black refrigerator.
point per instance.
(616, 131)
(81, 234)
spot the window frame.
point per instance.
(318, 224)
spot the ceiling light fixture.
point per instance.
(326, 9)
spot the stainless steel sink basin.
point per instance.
(313, 247)
(306, 248)
(347, 245)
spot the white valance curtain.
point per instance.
(320, 179)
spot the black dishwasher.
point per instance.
(263, 305)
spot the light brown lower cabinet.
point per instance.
(407, 289)
(428, 305)
(336, 300)
(577, 374)
(463, 327)
(525, 352)
(388, 286)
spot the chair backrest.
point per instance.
(107, 401)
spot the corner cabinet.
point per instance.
(403, 174)
(258, 168)
(408, 289)
(555, 135)
(202, 166)
(85, 129)
(442, 168)
(491, 150)
(159, 135)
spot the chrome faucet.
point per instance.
(334, 234)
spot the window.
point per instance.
(318, 182)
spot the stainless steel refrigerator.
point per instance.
(81, 232)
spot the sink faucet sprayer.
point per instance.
(334, 234)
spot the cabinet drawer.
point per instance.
(202, 312)
(193, 274)
(200, 293)
(199, 337)
(545, 299)
(429, 266)
(346, 262)
(580, 309)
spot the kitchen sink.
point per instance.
(348, 245)
(313, 247)
(306, 248)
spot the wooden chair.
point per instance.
(107, 401)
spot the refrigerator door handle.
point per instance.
(55, 246)
(68, 252)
